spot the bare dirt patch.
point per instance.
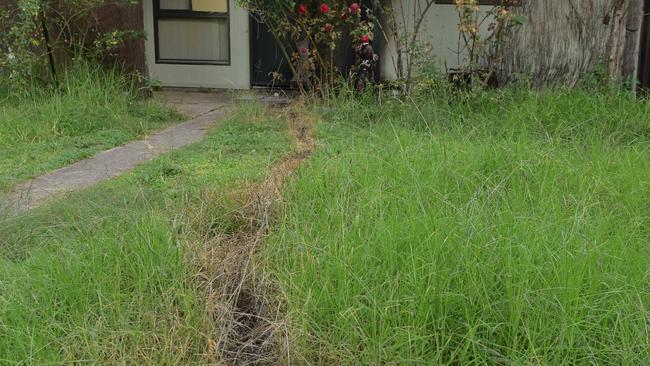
(247, 325)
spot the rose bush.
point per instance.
(309, 32)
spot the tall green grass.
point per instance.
(111, 294)
(106, 276)
(506, 228)
(91, 110)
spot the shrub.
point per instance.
(37, 30)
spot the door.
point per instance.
(197, 43)
(269, 67)
(268, 60)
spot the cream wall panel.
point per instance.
(218, 6)
(440, 31)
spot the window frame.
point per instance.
(159, 13)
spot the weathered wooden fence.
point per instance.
(562, 40)
(111, 16)
(125, 17)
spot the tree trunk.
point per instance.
(616, 41)
(644, 51)
(630, 61)
(624, 41)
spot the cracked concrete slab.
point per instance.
(205, 109)
(193, 104)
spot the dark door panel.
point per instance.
(267, 57)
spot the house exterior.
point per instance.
(217, 44)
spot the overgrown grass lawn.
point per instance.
(91, 110)
(106, 276)
(509, 228)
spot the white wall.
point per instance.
(439, 30)
(233, 76)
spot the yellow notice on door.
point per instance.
(211, 6)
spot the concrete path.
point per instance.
(204, 109)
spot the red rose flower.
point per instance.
(324, 8)
(304, 51)
(328, 28)
(344, 15)
(355, 8)
(365, 38)
(302, 9)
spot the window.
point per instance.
(192, 32)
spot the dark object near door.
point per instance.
(269, 68)
(366, 65)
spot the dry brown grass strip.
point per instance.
(247, 326)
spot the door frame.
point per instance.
(253, 22)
